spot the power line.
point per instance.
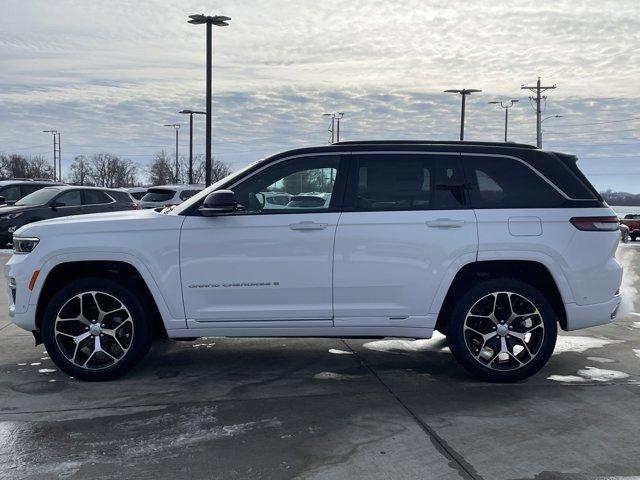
(538, 89)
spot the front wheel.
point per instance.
(96, 329)
(502, 330)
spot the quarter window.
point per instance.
(497, 182)
(300, 184)
(96, 197)
(407, 182)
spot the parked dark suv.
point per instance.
(60, 201)
(13, 190)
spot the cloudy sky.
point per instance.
(109, 74)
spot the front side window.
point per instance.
(71, 198)
(407, 182)
(11, 194)
(300, 184)
(498, 182)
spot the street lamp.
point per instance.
(176, 127)
(506, 114)
(57, 152)
(219, 21)
(191, 113)
(335, 122)
(463, 92)
(542, 121)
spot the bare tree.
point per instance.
(21, 166)
(219, 170)
(161, 169)
(109, 170)
(79, 171)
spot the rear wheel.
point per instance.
(502, 330)
(633, 237)
(96, 329)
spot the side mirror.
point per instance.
(54, 205)
(220, 201)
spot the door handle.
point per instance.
(445, 223)
(308, 226)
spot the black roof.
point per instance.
(437, 142)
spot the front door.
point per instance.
(408, 226)
(271, 260)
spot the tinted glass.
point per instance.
(408, 182)
(496, 182)
(138, 195)
(28, 189)
(120, 196)
(69, 199)
(186, 194)
(40, 197)
(158, 195)
(11, 194)
(297, 184)
(96, 197)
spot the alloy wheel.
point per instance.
(94, 330)
(503, 331)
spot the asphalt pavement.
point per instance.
(327, 409)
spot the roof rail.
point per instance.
(33, 179)
(436, 142)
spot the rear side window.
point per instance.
(407, 182)
(11, 194)
(28, 189)
(497, 182)
(120, 196)
(96, 197)
(187, 194)
(158, 195)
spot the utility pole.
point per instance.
(538, 89)
(191, 113)
(506, 114)
(176, 127)
(219, 21)
(335, 125)
(56, 150)
(463, 93)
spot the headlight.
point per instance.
(10, 216)
(24, 244)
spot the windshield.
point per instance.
(200, 196)
(158, 195)
(39, 197)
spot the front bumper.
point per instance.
(583, 316)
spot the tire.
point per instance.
(488, 347)
(633, 237)
(111, 323)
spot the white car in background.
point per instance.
(168, 195)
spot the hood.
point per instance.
(122, 223)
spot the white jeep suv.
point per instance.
(495, 245)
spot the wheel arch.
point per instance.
(123, 272)
(533, 272)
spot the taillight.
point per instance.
(135, 206)
(169, 205)
(596, 224)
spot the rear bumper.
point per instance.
(583, 316)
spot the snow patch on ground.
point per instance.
(590, 374)
(333, 376)
(600, 360)
(339, 352)
(635, 324)
(400, 346)
(46, 370)
(630, 278)
(637, 352)
(568, 343)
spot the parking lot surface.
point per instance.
(327, 409)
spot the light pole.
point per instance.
(191, 113)
(463, 93)
(219, 21)
(506, 114)
(56, 152)
(176, 127)
(335, 125)
(542, 131)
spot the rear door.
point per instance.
(96, 201)
(405, 227)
